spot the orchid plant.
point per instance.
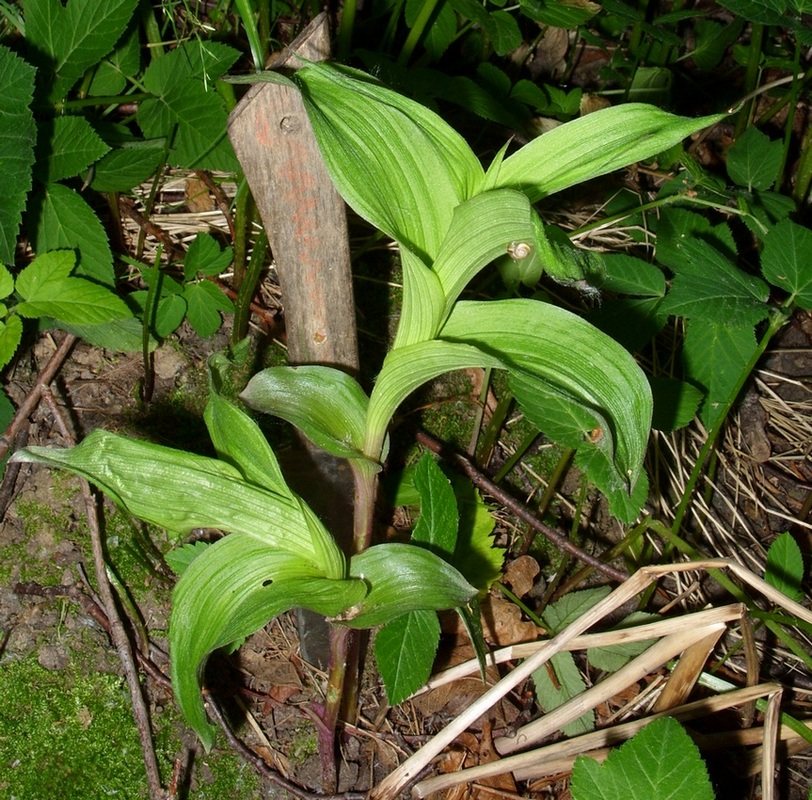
(401, 167)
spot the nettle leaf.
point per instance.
(715, 354)
(11, 334)
(125, 167)
(71, 148)
(204, 302)
(74, 37)
(186, 107)
(404, 652)
(396, 163)
(786, 261)
(753, 160)
(16, 146)
(709, 286)
(712, 40)
(677, 226)
(785, 566)
(205, 256)
(675, 403)
(403, 578)
(229, 591)
(179, 558)
(6, 282)
(437, 525)
(593, 145)
(65, 221)
(326, 404)
(121, 335)
(633, 276)
(613, 657)
(111, 74)
(181, 491)
(572, 606)
(558, 681)
(660, 761)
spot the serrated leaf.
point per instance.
(16, 146)
(181, 491)
(785, 566)
(709, 286)
(712, 40)
(572, 606)
(675, 403)
(71, 148)
(125, 167)
(503, 31)
(659, 762)
(403, 578)
(231, 590)
(53, 266)
(715, 355)
(205, 256)
(442, 30)
(437, 525)
(75, 301)
(111, 74)
(554, 691)
(11, 334)
(326, 404)
(119, 335)
(613, 657)
(594, 145)
(204, 302)
(169, 315)
(787, 261)
(404, 653)
(753, 160)
(66, 221)
(632, 276)
(630, 322)
(179, 558)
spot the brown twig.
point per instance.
(118, 634)
(33, 398)
(220, 198)
(172, 248)
(481, 481)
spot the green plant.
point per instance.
(415, 179)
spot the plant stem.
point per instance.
(423, 17)
(346, 28)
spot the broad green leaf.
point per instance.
(659, 762)
(503, 31)
(396, 163)
(437, 525)
(547, 343)
(753, 160)
(71, 148)
(482, 229)
(712, 40)
(715, 355)
(553, 690)
(408, 368)
(170, 314)
(65, 221)
(787, 261)
(593, 145)
(53, 266)
(231, 590)
(125, 167)
(11, 334)
(678, 226)
(785, 567)
(239, 441)
(422, 303)
(476, 556)
(709, 286)
(630, 322)
(440, 32)
(179, 558)
(561, 14)
(675, 403)
(572, 606)
(204, 302)
(181, 491)
(74, 37)
(404, 653)
(112, 73)
(326, 404)
(205, 256)
(403, 578)
(16, 146)
(120, 335)
(613, 657)
(632, 276)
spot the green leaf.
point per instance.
(404, 652)
(125, 167)
(593, 145)
(712, 40)
(205, 256)
(753, 160)
(121, 335)
(613, 657)
(181, 491)
(48, 267)
(326, 404)
(440, 32)
(568, 683)
(561, 13)
(204, 302)
(11, 334)
(785, 567)
(232, 589)
(396, 163)
(111, 74)
(73, 38)
(16, 146)
(422, 304)
(675, 403)
(632, 323)
(503, 31)
(786, 261)
(633, 276)
(71, 148)
(403, 578)
(548, 345)
(715, 356)
(572, 606)
(179, 558)
(65, 221)
(437, 525)
(709, 286)
(660, 762)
